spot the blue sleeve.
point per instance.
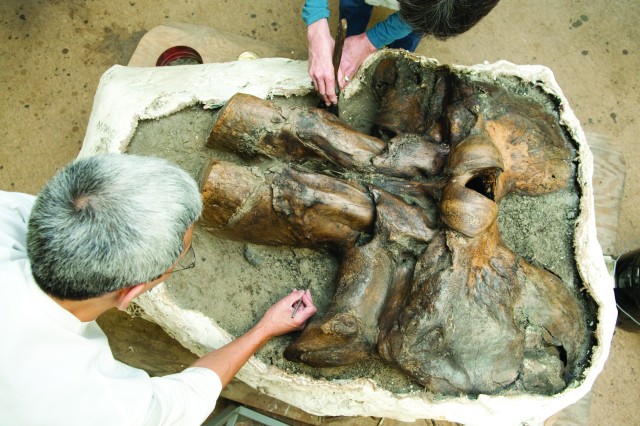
(386, 32)
(315, 10)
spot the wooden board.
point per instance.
(211, 44)
(609, 172)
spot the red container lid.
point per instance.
(178, 52)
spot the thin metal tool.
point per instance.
(295, 309)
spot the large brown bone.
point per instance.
(469, 202)
(252, 126)
(535, 156)
(410, 100)
(448, 322)
(284, 207)
(410, 156)
(545, 310)
(474, 296)
(348, 330)
(372, 281)
(478, 287)
(466, 210)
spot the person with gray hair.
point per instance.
(102, 231)
(91, 230)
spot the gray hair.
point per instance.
(444, 18)
(108, 222)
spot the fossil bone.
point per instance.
(425, 281)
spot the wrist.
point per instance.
(318, 29)
(260, 334)
(368, 44)
(373, 38)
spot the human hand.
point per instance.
(321, 70)
(227, 360)
(356, 49)
(279, 318)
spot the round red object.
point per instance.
(178, 52)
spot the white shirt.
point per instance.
(57, 370)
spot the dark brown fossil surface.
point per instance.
(411, 208)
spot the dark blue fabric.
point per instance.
(393, 32)
(357, 13)
(409, 42)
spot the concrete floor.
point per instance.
(53, 54)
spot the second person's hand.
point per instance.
(321, 71)
(356, 49)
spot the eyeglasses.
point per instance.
(188, 261)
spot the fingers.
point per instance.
(303, 307)
(322, 85)
(294, 296)
(283, 317)
(356, 49)
(304, 313)
(343, 79)
(346, 72)
(302, 296)
(305, 294)
(325, 84)
(320, 60)
(307, 305)
(330, 91)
